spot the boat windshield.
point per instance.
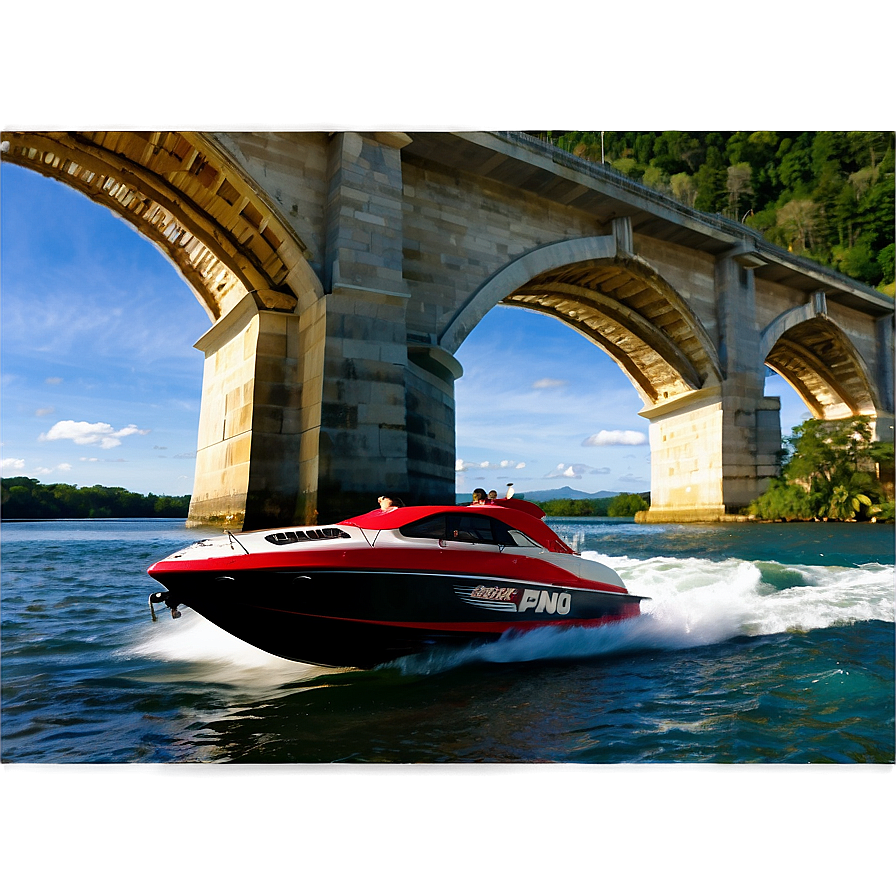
(467, 527)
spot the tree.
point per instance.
(629, 167)
(832, 472)
(684, 188)
(738, 185)
(860, 262)
(798, 220)
(887, 264)
(846, 502)
(626, 504)
(712, 188)
(655, 179)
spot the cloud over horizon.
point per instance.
(462, 466)
(84, 433)
(575, 471)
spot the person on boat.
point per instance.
(492, 496)
(388, 503)
(479, 497)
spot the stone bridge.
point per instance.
(342, 271)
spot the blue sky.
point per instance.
(101, 384)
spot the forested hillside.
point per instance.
(826, 195)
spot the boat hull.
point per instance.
(363, 618)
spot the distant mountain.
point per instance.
(565, 492)
(546, 495)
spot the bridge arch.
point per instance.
(813, 354)
(617, 301)
(181, 191)
(251, 273)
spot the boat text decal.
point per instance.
(516, 600)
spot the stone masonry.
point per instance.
(341, 271)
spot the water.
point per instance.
(764, 648)
(761, 644)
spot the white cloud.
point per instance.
(461, 466)
(83, 433)
(44, 412)
(548, 383)
(12, 463)
(53, 380)
(575, 471)
(616, 437)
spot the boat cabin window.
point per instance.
(467, 527)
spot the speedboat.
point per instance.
(392, 582)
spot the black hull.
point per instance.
(366, 618)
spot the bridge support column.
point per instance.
(711, 455)
(256, 460)
(387, 420)
(715, 450)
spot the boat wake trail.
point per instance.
(695, 602)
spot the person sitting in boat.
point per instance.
(388, 503)
(479, 497)
(492, 496)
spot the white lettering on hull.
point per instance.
(555, 602)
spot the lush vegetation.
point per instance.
(833, 471)
(826, 195)
(28, 499)
(624, 504)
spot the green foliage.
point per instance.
(575, 507)
(28, 499)
(784, 501)
(626, 504)
(834, 189)
(831, 472)
(617, 505)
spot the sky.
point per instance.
(101, 384)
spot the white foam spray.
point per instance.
(215, 655)
(695, 602)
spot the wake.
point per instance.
(695, 603)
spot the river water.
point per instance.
(764, 646)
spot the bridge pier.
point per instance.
(712, 452)
(715, 450)
(309, 412)
(256, 459)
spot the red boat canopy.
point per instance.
(522, 515)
